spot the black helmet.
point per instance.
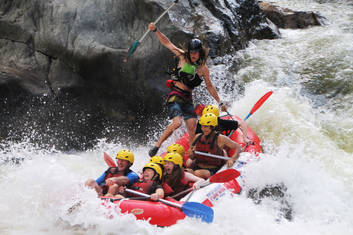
(194, 45)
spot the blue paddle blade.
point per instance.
(198, 210)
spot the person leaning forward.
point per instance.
(149, 183)
(210, 141)
(190, 70)
(109, 182)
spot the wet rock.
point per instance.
(276, 192)
(287, 18)
(77, 49)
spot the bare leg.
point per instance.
(112, 190)
(176, 123)
(191, 127)
(205, 174)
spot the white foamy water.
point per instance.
(306, 138)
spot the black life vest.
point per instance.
(208, 144)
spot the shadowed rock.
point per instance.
(76, 48)
(277, 193)
(287, 18)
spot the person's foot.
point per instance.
(153, 151)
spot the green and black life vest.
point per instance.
(187, 75)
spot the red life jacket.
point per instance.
(186, 96)
(114, 172)
(180, 186)
(145, 187)
(208, 144)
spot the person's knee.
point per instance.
(176, 124)
(113, 189)
(197, 173)
(202, 174)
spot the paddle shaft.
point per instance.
(205, 183)
(219, 177)
(212, 155)
(158, 19)
(148, 196)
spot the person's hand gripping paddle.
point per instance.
(138, 42)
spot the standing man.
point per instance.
(188, 75)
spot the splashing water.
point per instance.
(306, 128)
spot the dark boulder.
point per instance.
(56, 49)
(275, 192)
(287, 18)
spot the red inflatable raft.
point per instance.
(156, 213)
(160, 214)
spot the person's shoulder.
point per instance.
(222, 137)
(203, 70)
(197, 135)
(203, 67)
(132, 173)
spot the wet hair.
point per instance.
(203, 55)
(173, 179)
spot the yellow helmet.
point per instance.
(176, 158)
(208, 119)
(211, 109)
(157, 159)
(176, 148)
(155, 167)
(125, 155)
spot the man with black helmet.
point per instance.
(186, 76)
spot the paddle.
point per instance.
(254, 108)
(191, 209)
(258, 104)
(108, 159)
(212, 155)
(220, 177)
(137, 42)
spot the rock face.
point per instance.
(286, 18)
(62, 59)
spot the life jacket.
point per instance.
(114, 172)
(145, 187)
(187, 75)
(208, 144)
(181, 186)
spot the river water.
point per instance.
(306, 128)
